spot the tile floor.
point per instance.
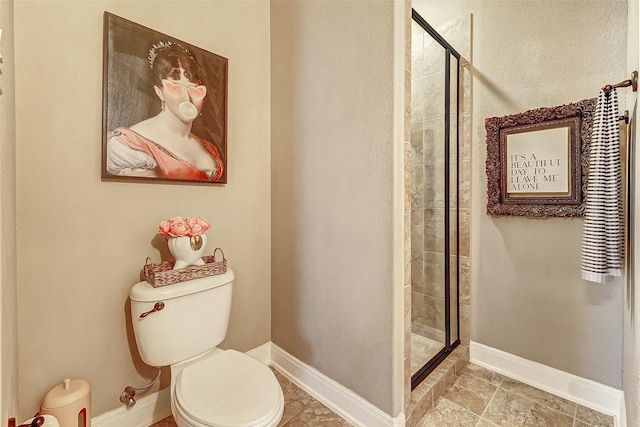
(482, 398)
(478, 398)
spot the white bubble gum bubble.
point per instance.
(188, 110)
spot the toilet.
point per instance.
(180, 325)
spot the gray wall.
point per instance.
(332, 164)
(527, 297)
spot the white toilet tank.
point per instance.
(176, 322)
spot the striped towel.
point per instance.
(603, 230)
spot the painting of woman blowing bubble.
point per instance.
(165, 105)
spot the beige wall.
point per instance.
(81, 241)
(332, 176)
(8, 331)
(527, 295)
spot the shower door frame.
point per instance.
(426, 369)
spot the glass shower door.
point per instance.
(434, 203)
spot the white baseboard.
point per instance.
(262, 353)
(623, 413)
(147, 410)
(586, 392)
(339, 399)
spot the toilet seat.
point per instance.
(229, 389)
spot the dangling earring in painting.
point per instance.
(162, 105)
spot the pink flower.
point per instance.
(165, 227)
(178, 227)
(198, 226)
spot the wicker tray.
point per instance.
(162, 273)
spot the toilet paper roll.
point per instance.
(49, 421)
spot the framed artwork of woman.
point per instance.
(164, 107)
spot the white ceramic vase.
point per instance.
(187, 250)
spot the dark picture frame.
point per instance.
(131, 95)
(537, 161)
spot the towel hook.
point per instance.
(633, 82)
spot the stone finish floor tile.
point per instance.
(165, 422)
(422, 349)
(593, 418)
(447, 414)
(296, 422)
(472, 393)
(295, 399)
(485, 423)
(483, 374)
(511, 410)
(512, 404)
(317, 414)
(547, 399)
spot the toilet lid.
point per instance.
(228, 389)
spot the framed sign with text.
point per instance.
(537, 161)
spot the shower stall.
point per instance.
(434, 167)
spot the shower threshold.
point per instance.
(428, 367)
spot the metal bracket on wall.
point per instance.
(625, 117)
(633, 82)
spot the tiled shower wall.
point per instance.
(419, 206)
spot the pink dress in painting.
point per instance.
(135, 152)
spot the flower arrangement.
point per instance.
(179, 227)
